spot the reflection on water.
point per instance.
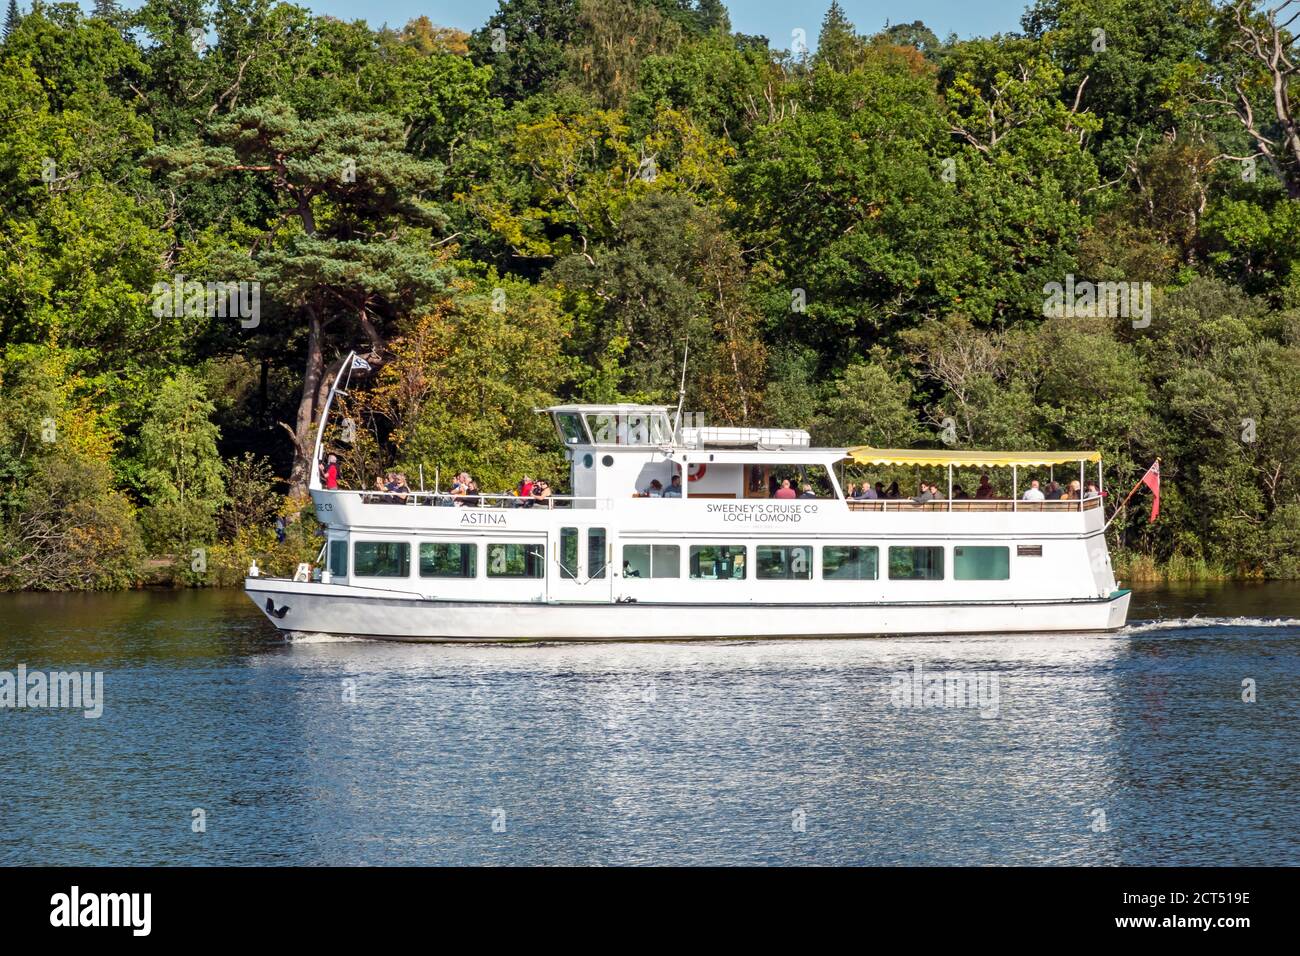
(1126, 748)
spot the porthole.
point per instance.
(587, 461)
(607, 461)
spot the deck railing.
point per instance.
(973, 504)
(445, 499)
(551, 502)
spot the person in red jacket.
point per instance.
(330, 473)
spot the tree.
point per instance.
(1256, 90)
(838, 44)
(13, 16)
(349, 253)
(465, 378)
(670, 276)
(182, 475)
(63, 524)
(524, 42)
(615, 37)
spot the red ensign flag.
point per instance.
(1152, 480)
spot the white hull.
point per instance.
(317, 608)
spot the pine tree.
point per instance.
(838, 43)
(12, 18)
(106, 10)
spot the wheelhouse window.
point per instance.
(915, 564)
(850, 563)
(448, 559)
(339, 558)
(782, 563)
(570, 428)
(381, 559)
(652, 561)
(718, 562)
(981, 563)
(516, 560)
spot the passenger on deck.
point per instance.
(985, 490)
(1092, 491)
(329, 473)
(1074, 491)
(471, 497)
(460, 488)
(674, 489)
(541, 490)
(807, 492)
(879, 490)
(959, 494)
(656, 489)
(893, 493)
(925, 495)
(785, 491)
(400, 486)
(1033, 492)
(852, 492)
(524, 493)
(1054, 492)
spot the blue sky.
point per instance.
(774, 19)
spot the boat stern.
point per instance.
(1118, 609)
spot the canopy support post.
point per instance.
(950, 487)
(1015, 488)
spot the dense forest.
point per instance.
(1085, 234)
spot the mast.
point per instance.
(681, 393)
(314, 483)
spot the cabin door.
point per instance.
(579, 565)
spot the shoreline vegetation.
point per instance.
(1082, 234)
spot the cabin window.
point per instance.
(381, 559)
(569, 553)
(339, 558)
(595, 552)
(718, 562)
(784, 563)
(652, 561)
(981, 564)
(448, 559)
(571, 429)
(850, 563)
(916, 564)
(516, 560)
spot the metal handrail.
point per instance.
(973, 504)
(446, 498)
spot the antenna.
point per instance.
(681, 391)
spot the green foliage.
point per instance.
(182, 476)
(554, 207)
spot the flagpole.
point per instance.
(1120, 506)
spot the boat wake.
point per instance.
(319, 637)
(1196, 621)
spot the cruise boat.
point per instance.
(725, 559)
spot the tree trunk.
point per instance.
(307, 407)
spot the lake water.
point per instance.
(1127, 748)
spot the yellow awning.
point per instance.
(865, 455)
